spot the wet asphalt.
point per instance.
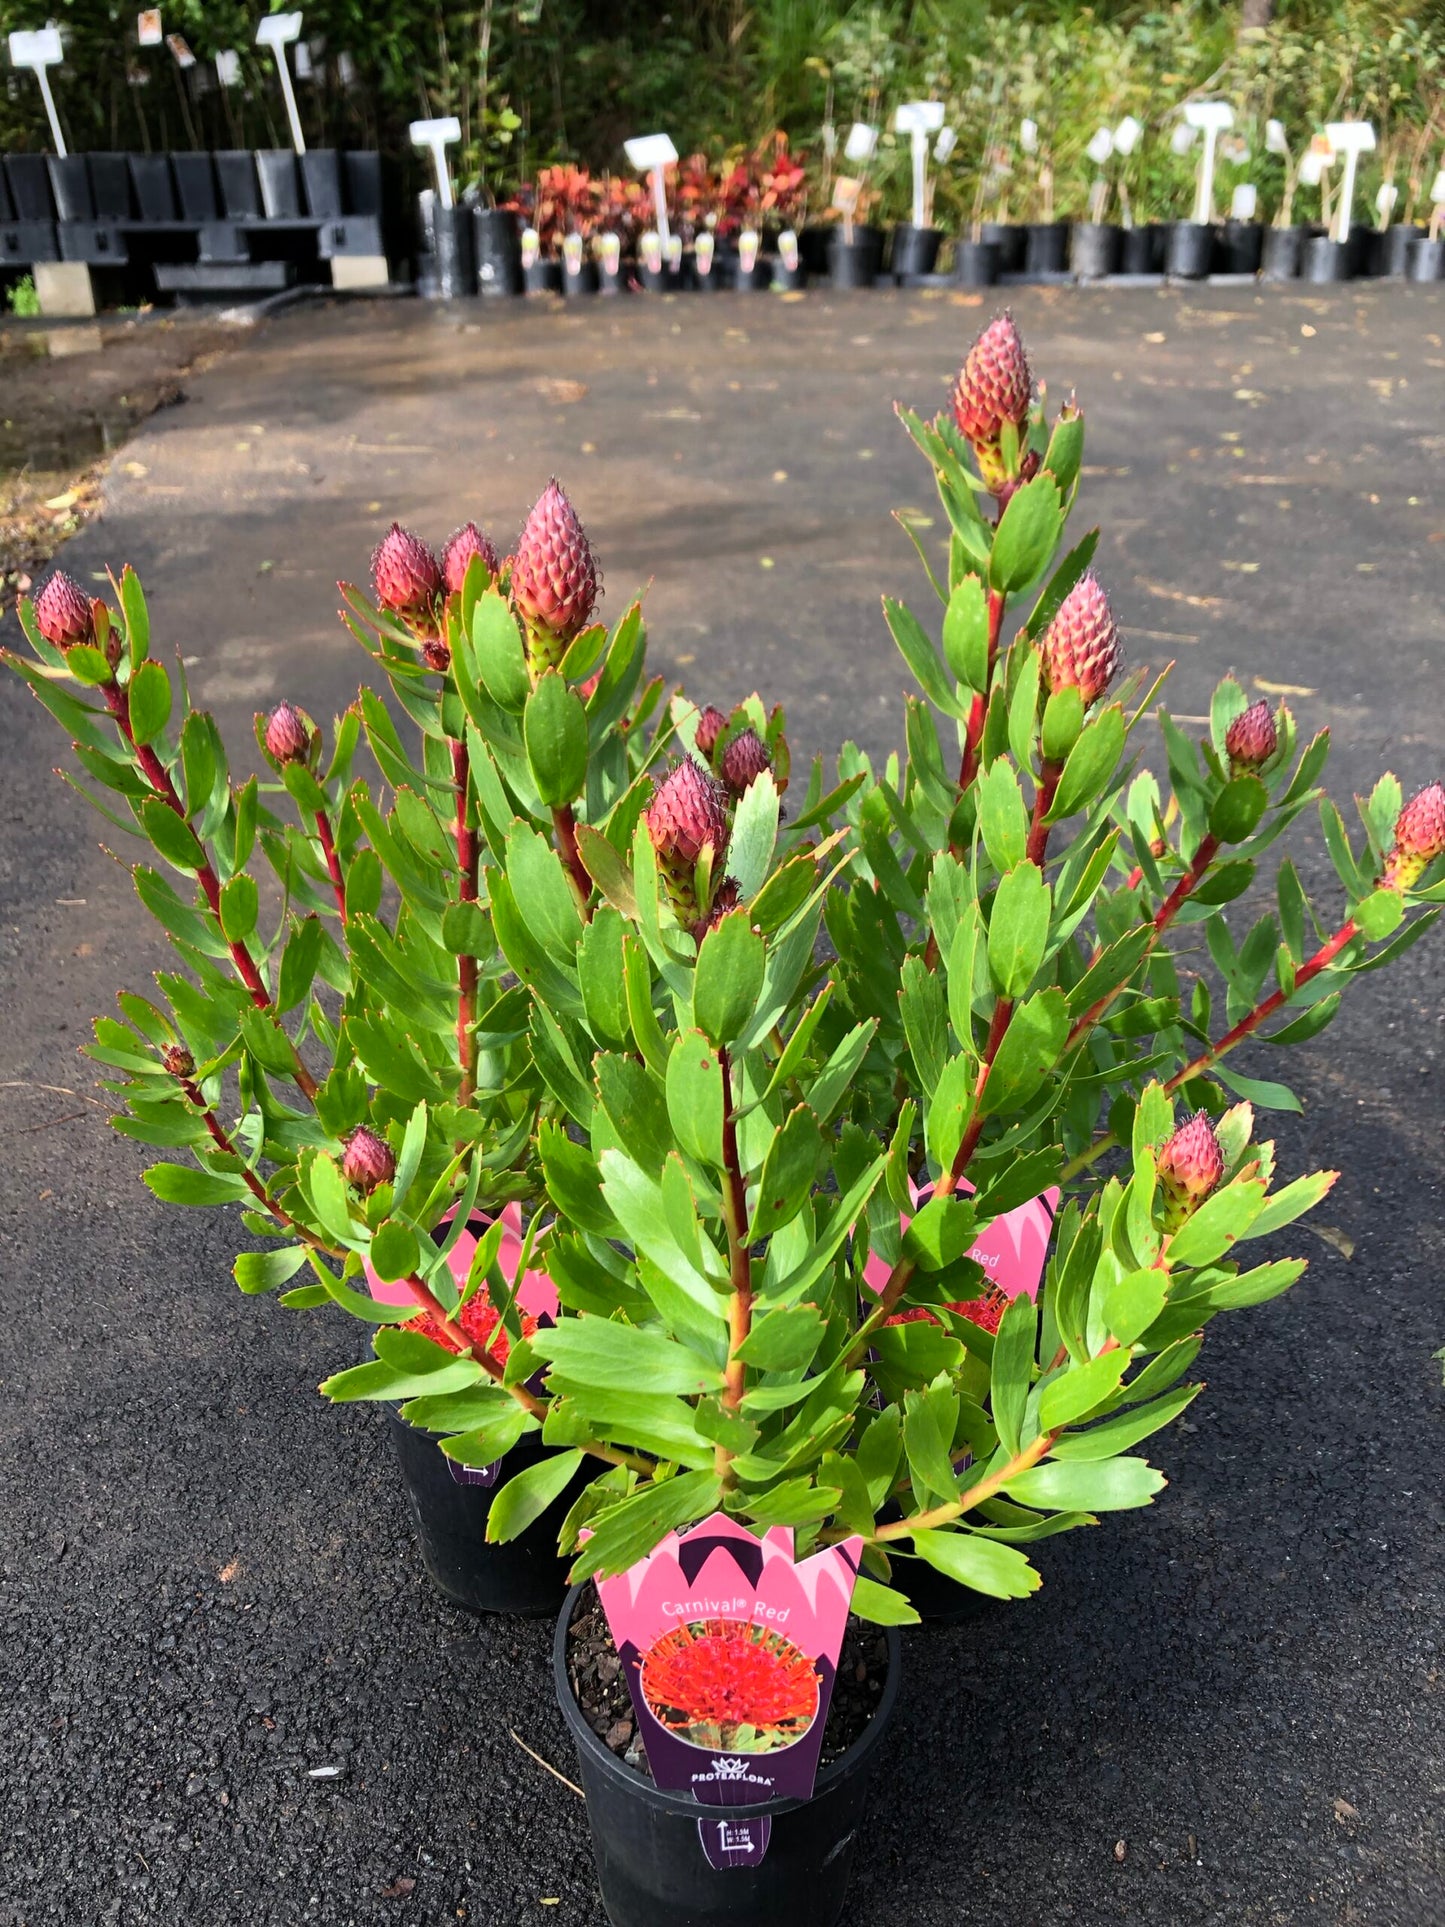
(1224, 1709)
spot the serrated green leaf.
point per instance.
(525, 1497)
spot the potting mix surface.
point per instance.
(231, 1695)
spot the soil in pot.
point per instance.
(1283, 249)
(1190, 250)
(977, 264)
(915, 250)
(1095, 249)
(665, 1857)
(525, 1576)
(1046, 249)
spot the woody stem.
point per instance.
(564, 822)
(740, 1305)
(468, 863)
(333, 862)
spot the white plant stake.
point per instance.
(37, 51)
(1029, 136)
(438, 135)
(1100, 150)
(1437, 205)
(1350, 138)
(277, 31)
(1210, 117)
(228, 67)
(861, 142)
(1245, 202)
(1385, 203)
(1276, 141)
(1126, 136)
(918, 119)
(651, 154)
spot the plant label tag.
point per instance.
(38, 50)
(846, 190)
(1437, 190)
(1244, 202)
(1276, 141)
(1126, 135)
(572, 253)
(302, 57)
(730, 1648)
(861, 142)
(650, 248)
(748, 250)
(735, 1843)
(180, 51)
(702, 253)
(672, 248)
(1029, 136)
(148, 27)
(1011, 1250)
(1101, 147)
(437, 135)
(531, 247)
(609, 253)
(788, 247)
(943, 147)
(228, 67)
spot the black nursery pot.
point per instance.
(498, 244)
(813, 245)
(1392, 250)
(584, 281)
(1096, 249)
(788, 280)
(525, 1576)
(1140, 250)
(650, 1861)
(1283, 250)
(915, 250)
(451, 237)
(1190, 250)
(1046, 250)
(856, 263)
(977, 263)
(1427, 261)
(1326, 260)
(1011, 241)
(658, 280)
(1241, 247)
(543, 277)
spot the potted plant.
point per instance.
(355, 1072)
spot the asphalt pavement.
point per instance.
(1224, 1709)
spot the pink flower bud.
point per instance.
(461, 547)
(1419, 838)
(1191, 1166)
(994, 385)
(686, 812)
(744, 760)
(405, 573)
(554, 576)
(63, 614)
(710, 725)
(368, 1160)
(726, 898)
(1080, 648)
(288, 735)
(179, 1061)
(1251, 738)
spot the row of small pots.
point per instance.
(1189, 250)
(651, 1860)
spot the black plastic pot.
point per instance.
(1361, 254)
(451, 238)
(757, 280)
(1426, 261)
(612, 280)
(543, 277)
(1046, 249)
(657, 280)
(525, 1576)
(787, 279)
(1011, 241)
(651, 1866)
(497, 243)
(1326, 260)
(1392, 250)
(1190, 250)
(856, 263)
(1139, 252)
(1095, 249)
(1283, 249)
(977, 263)
(280, 183)
(584, 281)
(70, 184)
(915, 250)
(813, 244)
(1241, 247)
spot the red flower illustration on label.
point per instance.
(479, 1319)
(730, 1686)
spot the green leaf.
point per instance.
(240, 905)
(299, 962)
(832, 1084)
(922, 658)
(1078, 1390)
(1018, 929)
(929, 1418)
(1031, 1047)
(640, 1421)
(543, 896)
(925, 1022)
(621, 1535)
(260, 1271)
(1090, 765)
(950, 1109)
(729, 978)
(523, 1499)
(1012, 1372)
(695, 1098)
(784, 1340)
(608, 870)
(484, 1440)
(137, 619)
(395, 1252)
(754, 833)
(501, 661)
(1292, 1202)
(1062, 725)
(981, 1564)
(787, 1176)
(1113, 1485)
(1126, 1429)
(600, 973)
(573, 1185)
(150, 702)
(182, 1184)
(1003, 816)
(941, 1232)
(1236, 810)
(965, 633)
(1380, 914)
(636, 1105)
(1260, 1091)
(1065, 450)
(881, 1605)
(1218, 1223)
(1028, 533)
(1133, 1304)
(554, 728)
(617, 1358)
(170, 837)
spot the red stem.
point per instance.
(1247, 1025)
(968, 768)
(333, 862)
(468, 862)
(565, 823)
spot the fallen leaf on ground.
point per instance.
(1332, 1235)
(1119, 1849)
(1179, 595)
(559, 388)
(399, 1889)
(1344, 1811)
(1283, 688)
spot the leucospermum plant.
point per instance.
(731, 1059)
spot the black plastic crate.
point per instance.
(155, 188)
(280, 184)
(70, 186)
(29, 180)
(23, 243)
(196, 186)
(110, 186)
(240, 193)
(99, 244)
(321, 173)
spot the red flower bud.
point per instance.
(368, 1160)
(406, 574)
(178, 1061)
(726, 898)
(687, 812)
(1191, 1166)
(994, 385)
(1419, 838)
(1251, 738)
(1080, 648)
(744, 760)
(461, 547)
(710, 725)
(63, 614)
(288, 735)
(554, 576)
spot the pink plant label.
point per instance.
(1011, 1250)
(536, 1295)
(730, 1647)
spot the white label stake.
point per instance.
(1212, 116)
(38, 51)
(437, 135)
(277, 31)
(919, 119)
(651, 154)
(1350, 138)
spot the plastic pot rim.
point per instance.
(683, 1805)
